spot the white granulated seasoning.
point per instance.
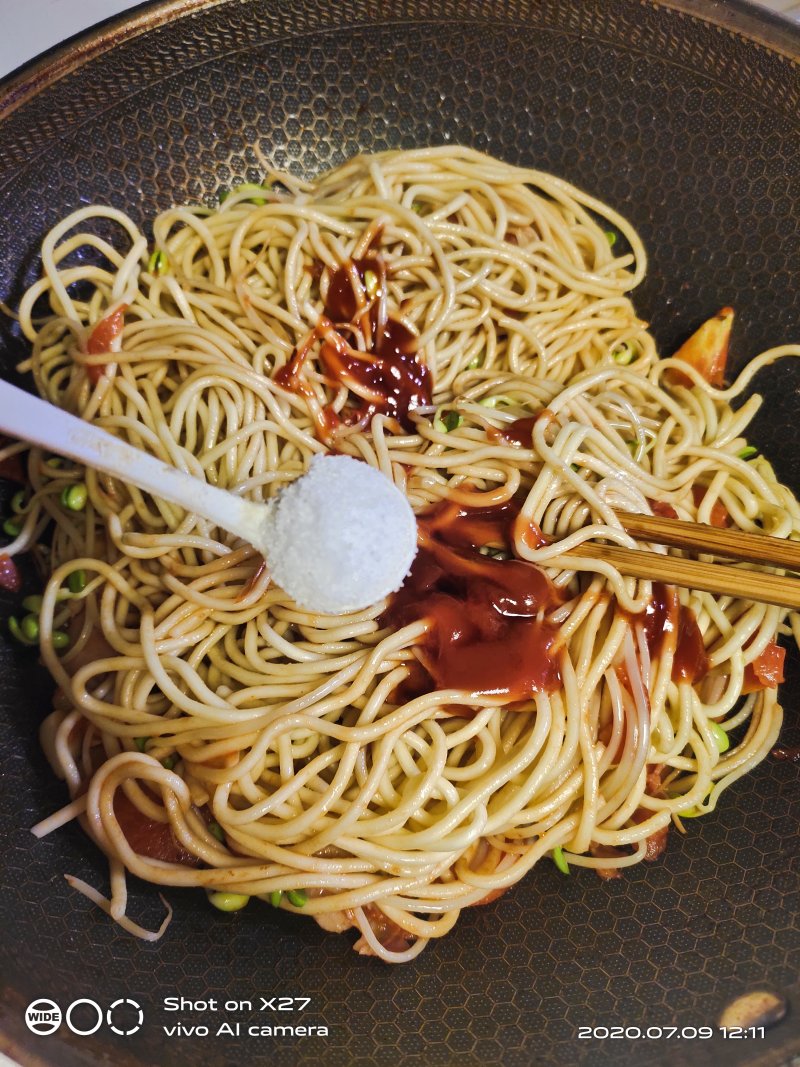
(342, 536)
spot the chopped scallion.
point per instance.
(158, 263)
(749, 452)
(721, 739)
(371, 283)
(251, 191)
(560, 862)
(141, 742)
(476, 361)
(297, 897)
(275, 898)
(12, 527)
(33, 603)
(493, 552)
(30, 628)
(624, 353)
(18, 502)
(447, 421)
(496, 401)
(76, 581)
(215, 829)
(169, 762)
(611, 237)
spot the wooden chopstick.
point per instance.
(694, 574)
(734, 544)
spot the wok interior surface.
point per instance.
(688, 127)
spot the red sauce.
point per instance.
(690, 663)
(720, 516)
(150, 838)
(665, 614)
(387, 378)
(519, 431)
(484, 635)
(516, 433)
(662, 508)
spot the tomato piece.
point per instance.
(101, 338)
(706, 350)
(766, 670)
(9, 575)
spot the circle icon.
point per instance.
(92, 1029)
(43, 1017)
(132, 1004)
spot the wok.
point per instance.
(685, 116)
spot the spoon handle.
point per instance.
(27, 417)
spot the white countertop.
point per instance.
(32, 26)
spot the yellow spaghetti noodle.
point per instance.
(270, 742)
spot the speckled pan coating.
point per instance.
(688, 126)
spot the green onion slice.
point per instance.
(721, 738)
(558, 859)
(76, 581)
(624, 353)
(18, 502)
(447, 421)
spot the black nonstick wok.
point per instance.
(686, 117)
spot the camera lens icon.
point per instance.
(115, 1017)
(43, 1017)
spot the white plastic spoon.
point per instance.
(311, 541)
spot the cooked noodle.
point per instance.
(294, 761)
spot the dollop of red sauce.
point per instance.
(662, 508)
(150, 838)
(518, 432)
(486, 634)
(665, 614)
(387, 378)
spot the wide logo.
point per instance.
(84, 1016)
